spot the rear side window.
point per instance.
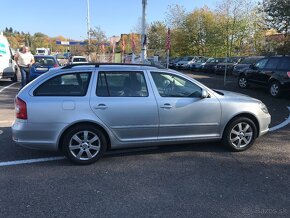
(74, 84)
(261, 64)
(121, 84)
(284, 64)
(272, 63)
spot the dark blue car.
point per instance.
(42, 64)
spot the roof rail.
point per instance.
(106, 64)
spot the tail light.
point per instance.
(55, 65)
(21, 109)
(288, 74)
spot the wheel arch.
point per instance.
(68, 128)
(247, 115)
(275, 77)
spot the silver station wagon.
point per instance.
(86, 109)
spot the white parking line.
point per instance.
(6, 87)
(29, 161)
(285, 123)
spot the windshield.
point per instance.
(250, 60)
(40, 51)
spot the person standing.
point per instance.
(24, 60)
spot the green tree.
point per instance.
(157, 37)
(278, 17)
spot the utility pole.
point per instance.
(88, 28)
(143, 49)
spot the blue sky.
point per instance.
(68, 17)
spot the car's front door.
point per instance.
(126, 104)
(255, 75)
(183, 113)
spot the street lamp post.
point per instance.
(88, 28)
(143, 50)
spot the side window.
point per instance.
(73, 84)
(121, 84)
(272, 63)
(284, 64)
(174, 86)
(261, 64)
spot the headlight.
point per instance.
(263, 108)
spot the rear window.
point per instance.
(284, 64)
(79, 60)
(121, 84)
(73, 84)
(45, 61)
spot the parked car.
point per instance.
(209, 66)
(183, 62)
(78, 60)
(227, 65)
(197, 65)
(173, 61)
(245, 64)
(91, 108)
(42, 64)
(62, 60)
(270, 72)
(8, 67)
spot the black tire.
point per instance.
(275, 89)
(14, 78)
(84, 144)
(240, 134)
(243, 82)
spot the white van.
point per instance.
(42, 51)
(8, 67)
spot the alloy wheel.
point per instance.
(242, 82)
(84, 145)
(241, 135)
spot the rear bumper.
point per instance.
(36, 136)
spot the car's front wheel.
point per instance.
(275, 89)
(240, 134)
(84, 144)
(243, 82)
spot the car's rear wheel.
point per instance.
(275, 89)
(84, 144)
(243, 82)
(240, 134)
(14, 78)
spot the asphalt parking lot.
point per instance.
(192, 180)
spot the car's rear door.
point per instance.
(125, 103)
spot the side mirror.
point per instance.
(204, 93)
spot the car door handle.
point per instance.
(101, 106)
(167, 106)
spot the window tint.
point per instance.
(272, 63)
(175, 86)
(261, 64)
(121, 84)
(74, 84)
(284, 64)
